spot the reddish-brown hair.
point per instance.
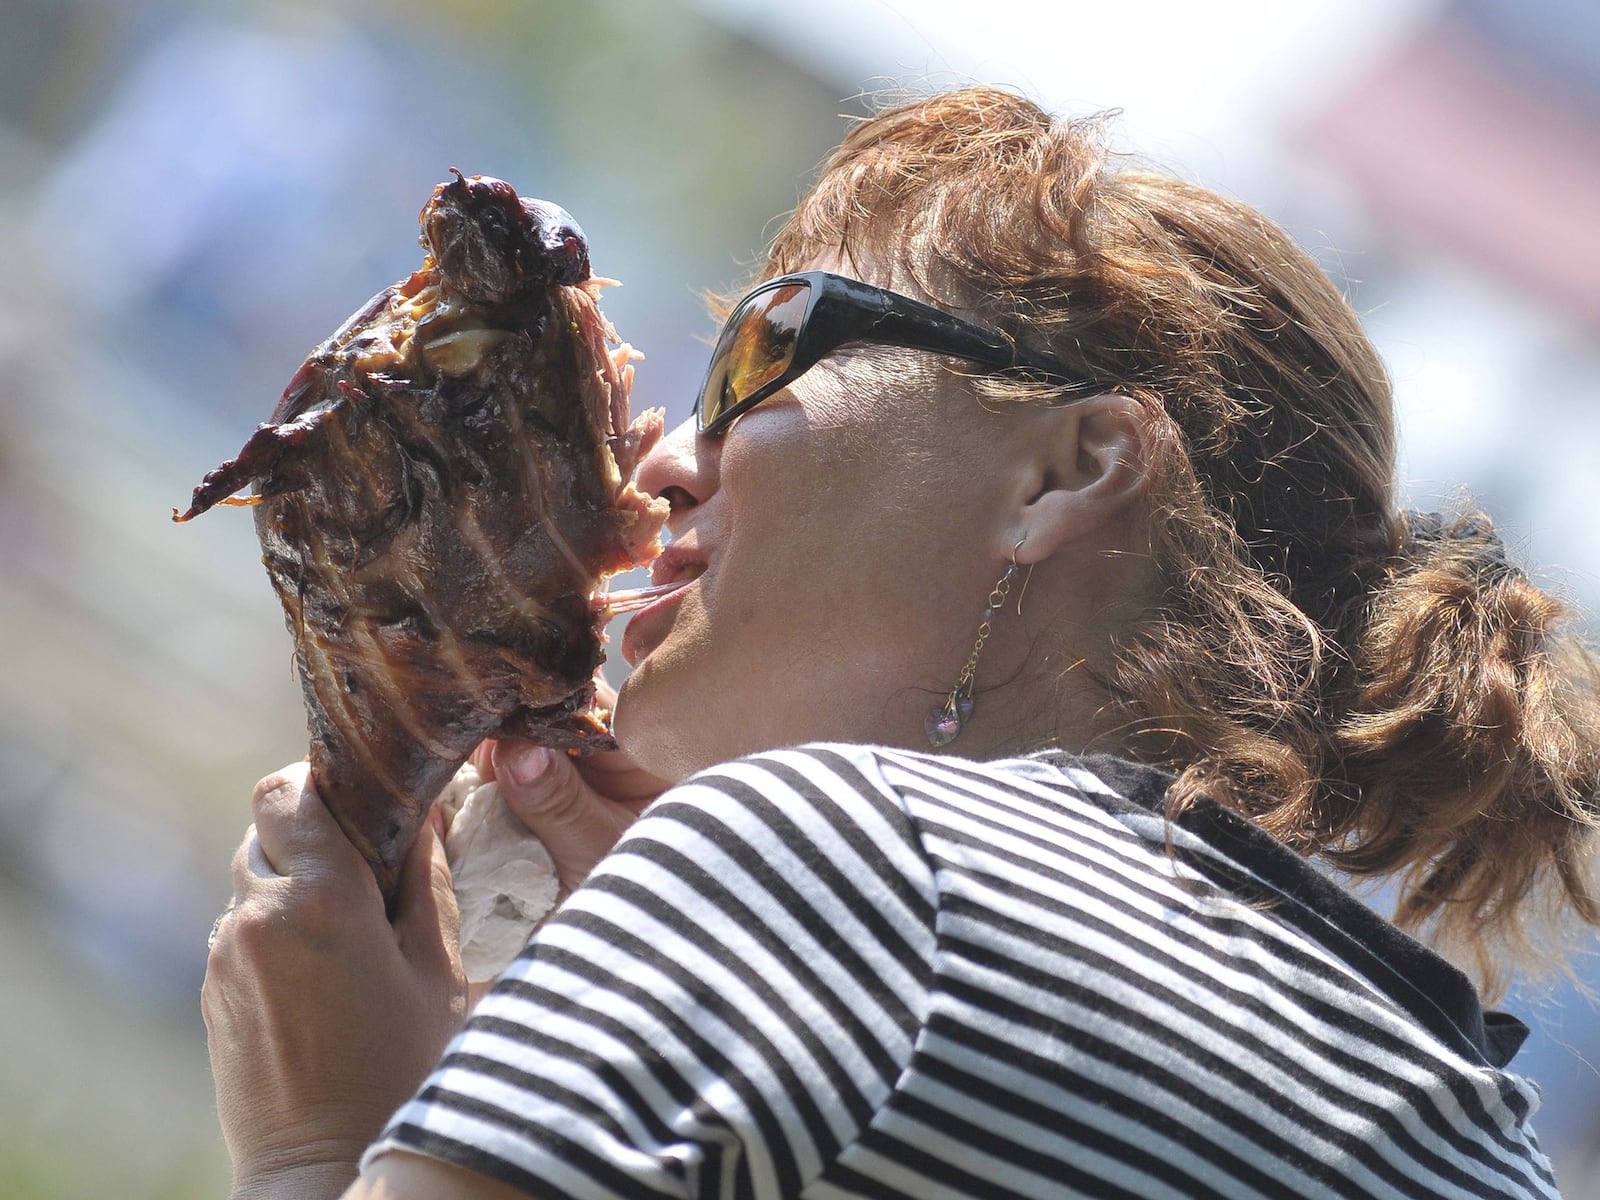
(1404, 705)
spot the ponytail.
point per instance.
(1445, 733)
(1473, 743)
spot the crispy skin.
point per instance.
(438, 495)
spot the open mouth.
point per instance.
(674, 569)
(614, 604)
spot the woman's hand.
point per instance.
(578, 807)
(322, 1016)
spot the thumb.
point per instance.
(577, 825)
(427, 923)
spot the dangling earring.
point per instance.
(943, 724)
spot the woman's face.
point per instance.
(841, 541)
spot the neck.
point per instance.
(1058, 705)
(1039, 686)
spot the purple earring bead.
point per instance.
(944, 723)
(941, 726)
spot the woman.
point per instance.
(1032, 665)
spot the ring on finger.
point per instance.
(211, 939)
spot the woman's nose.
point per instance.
(681, 469)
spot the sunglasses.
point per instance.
(787, 325)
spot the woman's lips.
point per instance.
(636, 637)
(677, 564)
(677, 568)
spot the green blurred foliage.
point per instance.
(658, 103)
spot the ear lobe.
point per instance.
(1089, 468)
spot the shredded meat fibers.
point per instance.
(439, 496)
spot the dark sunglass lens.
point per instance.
(757, 346)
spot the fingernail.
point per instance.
(526, 764)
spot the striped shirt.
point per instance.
(846, 971)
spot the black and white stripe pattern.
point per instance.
(841, 971)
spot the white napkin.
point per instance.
(505, 879)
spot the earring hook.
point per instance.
(1023, 591)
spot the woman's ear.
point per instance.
(1085, 468)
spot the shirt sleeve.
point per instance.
(718, 1011)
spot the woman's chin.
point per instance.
(650, 731)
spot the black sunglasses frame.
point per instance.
(842, 312)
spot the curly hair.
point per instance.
(1398, 700)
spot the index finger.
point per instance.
(296, 831)
(605, 696)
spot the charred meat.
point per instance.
(440, 495)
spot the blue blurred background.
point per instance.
(195, 193)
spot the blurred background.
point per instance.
(196, 193)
